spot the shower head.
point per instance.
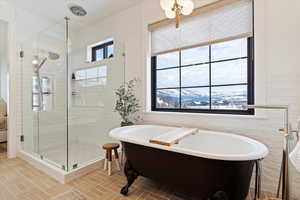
(53, 56)
(77, 10)
(38, 65)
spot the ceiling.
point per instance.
(56, 10)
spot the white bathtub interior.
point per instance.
(203, 143)
(223, 146)
(77, 116)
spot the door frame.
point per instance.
(14, 88)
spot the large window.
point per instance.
(217, 78)
(103, 51)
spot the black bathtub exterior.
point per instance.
(198, 178)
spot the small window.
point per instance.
(103, 51)
(90, 77)
(216, 78)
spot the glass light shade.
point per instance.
(186, 11)
(167, 4)
(188, 7)
(170, 14)
(181, 2)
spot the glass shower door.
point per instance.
(30, 123)
(45, 89)
(53, 111)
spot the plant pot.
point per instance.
(126, 124)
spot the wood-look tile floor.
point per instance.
(20, 181)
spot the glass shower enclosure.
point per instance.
(67, 100)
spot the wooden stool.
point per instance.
(108, 159)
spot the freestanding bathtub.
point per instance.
(199, 166)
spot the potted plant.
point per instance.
(127, 105)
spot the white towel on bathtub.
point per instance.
(173, 136)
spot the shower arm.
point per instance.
(284, 172)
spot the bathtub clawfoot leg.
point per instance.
(131, 175)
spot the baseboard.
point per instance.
(57, 173)
(81, 171)
(54, 172)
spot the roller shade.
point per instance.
(216, 22)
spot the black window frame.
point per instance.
(103, 46)
(250, 84)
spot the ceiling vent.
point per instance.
(77, 10)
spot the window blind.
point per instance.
(216, 22)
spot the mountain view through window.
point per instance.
(214, 78)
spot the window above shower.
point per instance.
(103, 51)
(100, 50)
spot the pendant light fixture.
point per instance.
(176, 8)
